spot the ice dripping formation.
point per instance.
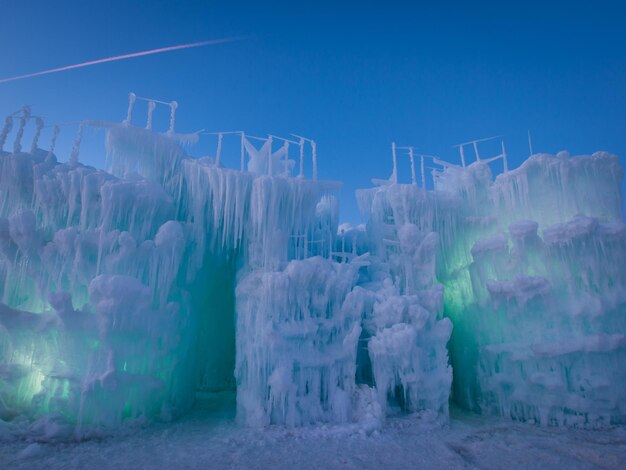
(125, 292)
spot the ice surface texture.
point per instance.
(118, 289)
(532, 266)
(123, 293)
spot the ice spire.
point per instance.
(8, 125)
(286, 150)
(151, 106)
(53, 141)
(394, 173)
(173, 106)
(314, 157)
(270, 156)
(39, 124)
(412, 158)
(476, 150)
(17, 145)
(218, 157)
(462, 152)
(76, 147)
(131, 102)
(243, 151)
(301, 143)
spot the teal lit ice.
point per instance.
(126, 292)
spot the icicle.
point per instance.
(219, 150)
(8, 125)
(131, 102)
(76, 146)
(530, 145)
(354, 245)
(306, 246)
(17, 145)
(413, 179)
(506, 164)
(301, 174)
(286, 147)
(173, 106)
(330, 245)
(462, 152)
(423, 171)
(314, 157)
(394, 174)
(243, 151)
(39, 123)
(151, 106)
(53, 141)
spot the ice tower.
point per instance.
(125, 292)
(532, 270)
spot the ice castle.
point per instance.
(124, 293)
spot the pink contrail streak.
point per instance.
(124, 56)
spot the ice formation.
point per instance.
(532, 266)
(125, 292)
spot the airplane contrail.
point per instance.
(124, 56)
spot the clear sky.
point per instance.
(354, 76)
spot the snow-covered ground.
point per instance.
(208, 437)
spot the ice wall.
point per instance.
(124, 292)
(93, 324)
(117, 289)
(403, 346)
(551, 312)
(297, 335)
(532, 270)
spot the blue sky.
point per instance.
(354, 76)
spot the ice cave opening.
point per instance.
(213, 306)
